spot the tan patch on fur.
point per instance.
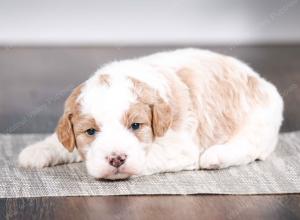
(72, 126)
(162, 115)
(81, 123)
(179, 101)
(64, 128)
(252, 83)
(217, 99)
(140, 113)
(144, 93)
(104, 80)
(254, 91)
(64, 132)
(161, 118)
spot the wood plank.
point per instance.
(156, 207)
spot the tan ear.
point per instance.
(65, 132)
(161, 118)
(64, 129)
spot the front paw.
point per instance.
(35, 156)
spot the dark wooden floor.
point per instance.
(34, 83)
(206, 207)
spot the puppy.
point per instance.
(186, 109)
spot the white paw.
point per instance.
(211, 158)
(35, 156)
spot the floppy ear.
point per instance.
(161, 118)
(65, 132)
(161, 112)
(64, 129)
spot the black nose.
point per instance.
(117, 160)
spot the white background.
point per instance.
(138, 22)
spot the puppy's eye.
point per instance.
(91, 131)
(135, 126)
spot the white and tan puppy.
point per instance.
(181, 110)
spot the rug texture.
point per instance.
(280, 173)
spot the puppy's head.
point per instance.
(112, 121)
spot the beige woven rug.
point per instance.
(280, 173)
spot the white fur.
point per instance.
(48, 152)
(176, 150)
